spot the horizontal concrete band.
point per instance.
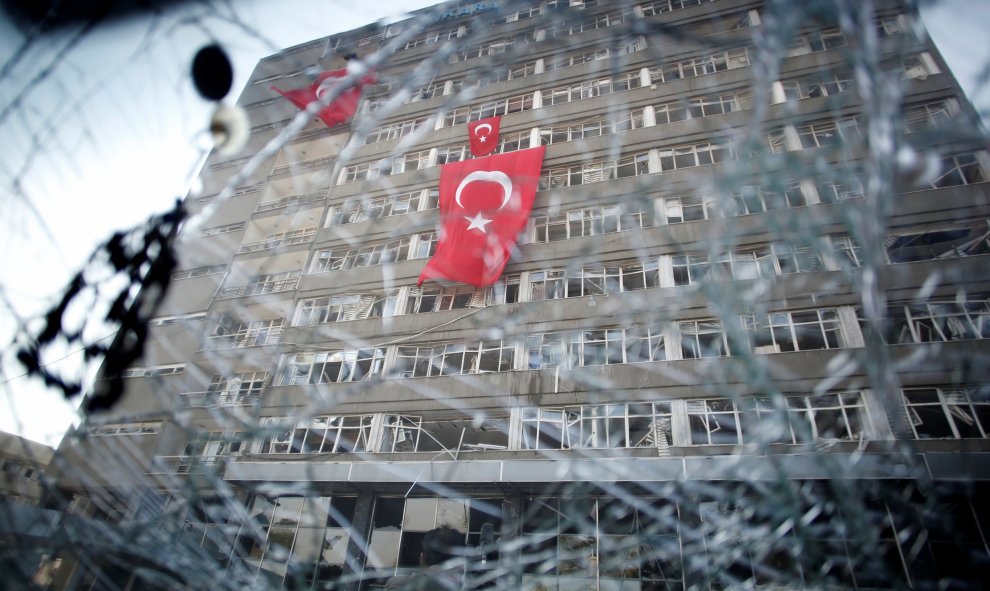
(937, 466)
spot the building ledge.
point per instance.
(802, 466)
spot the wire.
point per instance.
(63, 358)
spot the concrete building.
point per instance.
(741, 343)
(22, 464)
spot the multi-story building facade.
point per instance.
(741, 343)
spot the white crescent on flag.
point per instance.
(487, 126)
(491, 176)
(325, 86)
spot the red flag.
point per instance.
(484, 204)
(341, 109)
(484, 135)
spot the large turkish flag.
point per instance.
(341, 109)
(484, 204)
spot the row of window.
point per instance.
(807, 136)
(934, 413)
(760, 260)
(825, 84)
(232, 334)
(765, 333)
(419, 246)
(962, 169)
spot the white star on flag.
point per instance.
(478, 221)
(482, 138)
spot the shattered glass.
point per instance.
(739, 344)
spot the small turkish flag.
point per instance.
(341, 109)
(484, 136)
(484, 204)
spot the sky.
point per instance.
(114, 132)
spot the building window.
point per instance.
(962, 169)
(701, 66)
(230, 333)
(364, 208)
(688, 156)
(662, 6)
(687, 208)
(343, 258)
(670, 112)
(407, 163)
(327, 434)
(237, 389)
(848, 252)
(714, 422)
(494, 47)
(719, 104)
(566, 61)
(828, 132)
(927, 116)
(429, 38)
(280, 533)
(510, 142)
(702, 339)
(154, 371)
(948, 413)
(223, 229)
(595, 172)
(454, 359)
(199, 272)
(591, 89)
(596, 347)
(597, 426)
(330, 367)
(207, 450)
(262, 284)
(126, 429)
(590, 222)
(690, 269)
(438, 299)
(827, 84)
(938, 244)
(398, 526)
(780, 332)
(600, 540)
(753, 199)
(448, 154)
(524, 14)
(594, 280)
(801, 419)
(432, 90)
(761, 261)
(341, 308)
(602, 21)
(182, 318)
(817, 41)
(831, 191)
(594, 127)
(279, 239)
(395, 130)
(963, 318)
(514, 104)
(405, 433)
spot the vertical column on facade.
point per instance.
(777, 94)
(649, 116)
(534, 137)
(358, 543)
(510, 559)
